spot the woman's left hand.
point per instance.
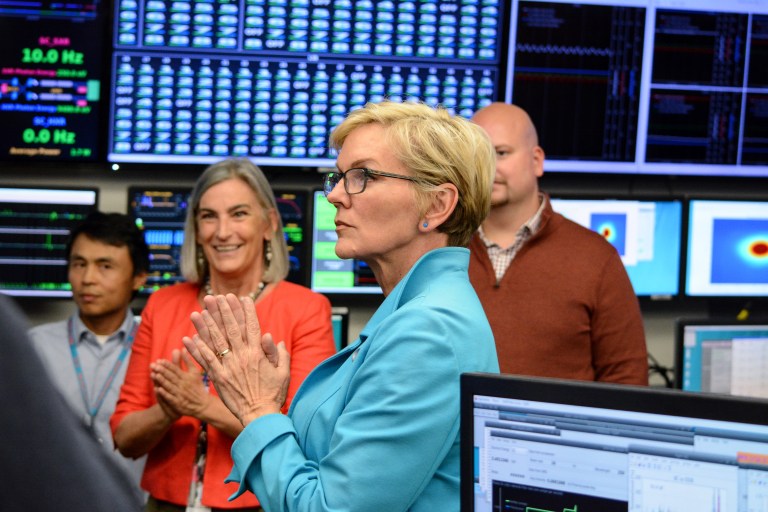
(180, 386)
(250, 371)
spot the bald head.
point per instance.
(519, 160)
(510, 119)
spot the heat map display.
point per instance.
(727, 248)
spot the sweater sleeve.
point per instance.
(619, 350)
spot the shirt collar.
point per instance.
(528, 229)
(82, 332)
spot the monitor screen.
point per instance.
(644, 86)
(194, 82)
(34, 230)
(646, 233)
(722, 356)
(727, 253)
(340, 325)
(161, 211)
(52, 76)
(532, 444)
(328, 272)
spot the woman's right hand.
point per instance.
(250, 371)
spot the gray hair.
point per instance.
(194, 268)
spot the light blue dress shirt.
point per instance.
(51, 341)
(376, 427)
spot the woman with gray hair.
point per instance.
(376, 427)
(233, 244)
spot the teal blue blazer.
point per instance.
(376, 427)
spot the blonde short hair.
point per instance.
(437, 148)
(194, 267)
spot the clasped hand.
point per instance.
(250, 372)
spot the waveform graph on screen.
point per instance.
(740, 251)
(613, 227)
(577, 71)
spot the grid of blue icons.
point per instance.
(269, 79)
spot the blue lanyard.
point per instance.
(93, 410)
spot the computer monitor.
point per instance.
(727, 252)
(54, 77)
(35, 223)
(533, 444)
(194, 82)
(161, 212)
(328, 272)
(292, 205)
(643, 86)
(722, 356)
(646, 233)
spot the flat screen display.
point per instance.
(644, 86)
(646, 233)
(722, 356)
(161, 211)
(329, 273)
(34, 230)
(727, 253)
(532, 444)
(194, 82)
(52, 79)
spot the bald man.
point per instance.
(556, 294)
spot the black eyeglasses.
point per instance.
(356, 178)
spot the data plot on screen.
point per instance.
(727, 248)
(740, 251)
(577, 73)
(644, 86)
(613, 227)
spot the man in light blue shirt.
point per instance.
(87, 354)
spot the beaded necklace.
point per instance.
(252, 295)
